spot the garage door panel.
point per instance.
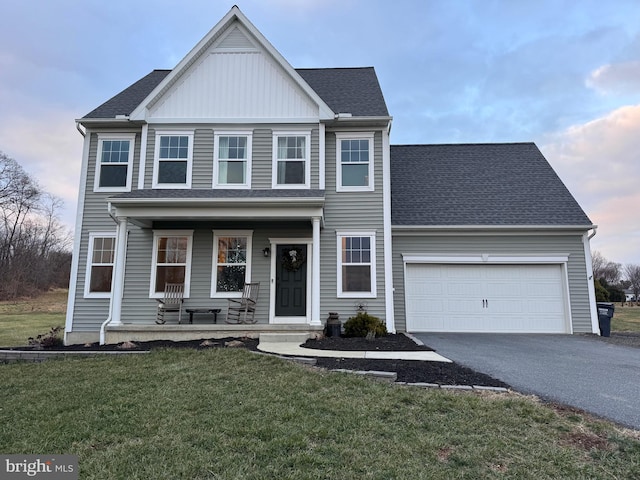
(519, 298)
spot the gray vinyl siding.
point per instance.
(353, 212)
(89, 313)
(571, 245)
(262, 153)
(138, 308)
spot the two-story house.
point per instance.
(235, 167)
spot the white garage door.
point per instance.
(485, 298)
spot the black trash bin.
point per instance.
(605, 314)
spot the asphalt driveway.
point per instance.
(577, 370)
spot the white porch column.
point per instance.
(117, 283)
(315, 273)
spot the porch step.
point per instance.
(279, 337)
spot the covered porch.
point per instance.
(197, 229)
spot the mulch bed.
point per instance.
(391, 342)
(411, 371)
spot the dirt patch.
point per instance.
(586, 441)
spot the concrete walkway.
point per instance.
(281, 344)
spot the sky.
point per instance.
(562, 74)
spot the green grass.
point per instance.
(626, 319)
(24, 318)
(231, 414)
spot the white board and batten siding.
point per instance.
(485, 295)
(235, 79)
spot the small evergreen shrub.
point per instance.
(362, 324)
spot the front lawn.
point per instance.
(233, 414)
(626, 319)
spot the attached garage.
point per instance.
(514, 298)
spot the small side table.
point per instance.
(211, 311)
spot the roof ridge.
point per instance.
(470, 144)
(337, 68)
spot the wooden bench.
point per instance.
(211, 311)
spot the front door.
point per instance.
(291, 280)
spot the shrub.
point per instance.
(48, 340)
(362, 324)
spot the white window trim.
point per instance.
(214, 267)
(354, 136)
(131, 137)
(307, 160)
(154, 260)
(216, 143)
(156, 159)
(341, 294)
(87, 280)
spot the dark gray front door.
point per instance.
(291, 280)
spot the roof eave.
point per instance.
(490, 229)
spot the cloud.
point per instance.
(599, 163)
(617, 77)
(49, 147)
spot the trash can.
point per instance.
(605, 314)
(334, 326)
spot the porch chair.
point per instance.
(242, 310)
(171, 302)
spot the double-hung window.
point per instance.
(232, 159)
(100, 258)
(356, 264)
(171, 260)
(114, 162)
(173, 160)
(291, 154)
(354, 166)
(232, 262)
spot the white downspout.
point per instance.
(315, 271)
(595, 326)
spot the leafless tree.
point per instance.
(604, 269)
(33, 244)
(632, 272)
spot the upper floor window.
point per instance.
(356, 264)
(100, 258)
(232, 262)
(173, 160)
(114, 162)
(171, 260)
(354, 167)
(291, 160)
(232, 159)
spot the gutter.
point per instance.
(595, 230)
(79, 129)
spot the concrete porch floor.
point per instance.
(177, 333)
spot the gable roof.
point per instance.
(506, 184)
(344, 90)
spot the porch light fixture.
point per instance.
(266, 252)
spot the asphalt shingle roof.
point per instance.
(348, 90)
(125, 102)
(345, 90)
(478, 184)
(208, 193)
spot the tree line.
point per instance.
(34, 246)
(611, 279)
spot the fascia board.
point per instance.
(226, 202)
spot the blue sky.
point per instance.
(563, 74)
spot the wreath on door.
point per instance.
(293, 259)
